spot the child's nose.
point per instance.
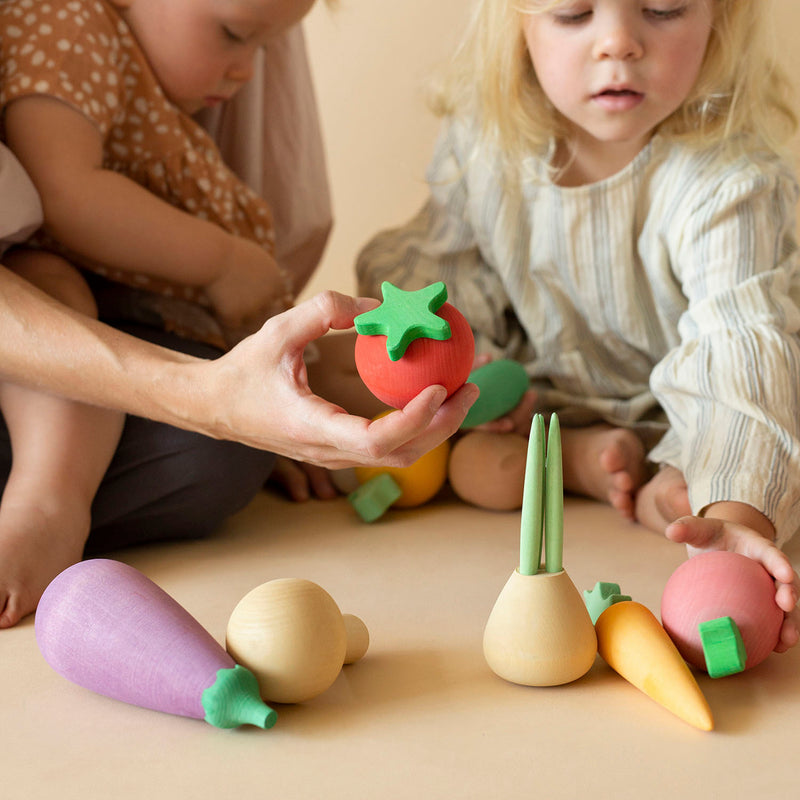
(618, 40)
(240, 72)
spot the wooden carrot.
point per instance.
(633, 643)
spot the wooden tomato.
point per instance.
(413, 340)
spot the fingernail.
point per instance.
(438, 397)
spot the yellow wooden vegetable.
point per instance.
(418, 482)
(633, 643)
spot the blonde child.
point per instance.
(96, 99)
(608, 206)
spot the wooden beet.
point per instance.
(106, 626)
(716, 585)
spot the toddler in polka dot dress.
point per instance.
(97, 98)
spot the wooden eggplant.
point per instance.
(107, 627)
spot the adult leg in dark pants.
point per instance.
(167, 483)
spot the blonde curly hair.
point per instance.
(741, 89)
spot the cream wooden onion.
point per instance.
(539, 632)
(292, 636)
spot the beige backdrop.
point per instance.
(370, 60)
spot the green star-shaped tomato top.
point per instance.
(405, 316)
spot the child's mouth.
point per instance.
(618, 99)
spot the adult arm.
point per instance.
(256, 394)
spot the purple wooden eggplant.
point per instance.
(105, 626)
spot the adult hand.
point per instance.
(258, 394)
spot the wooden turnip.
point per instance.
(290, 633)
(719, 608)
(106, 626)
(539, 632)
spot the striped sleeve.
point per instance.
(730, 388)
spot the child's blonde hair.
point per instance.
(740, 88)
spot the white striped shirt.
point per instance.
(665, 298)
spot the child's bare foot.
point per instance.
(36, 544)
(605, 463)
(662, 500)
(700, 534)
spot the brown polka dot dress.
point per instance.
(84, 54)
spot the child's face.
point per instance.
(202, 51)
(615, 69)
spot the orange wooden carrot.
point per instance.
(633, 643)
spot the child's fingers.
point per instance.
(790, 632)
(786, 596)
(321, 483)
(291, 478)
(704, 533)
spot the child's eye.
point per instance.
(660, 14)
(572, 18)
(231, 35)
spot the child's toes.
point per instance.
(10, 615)
(622, 501)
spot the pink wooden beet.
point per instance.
(107, 627)
(721, 584)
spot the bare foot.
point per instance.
(662, 500)
(36, 544)
(605, 463)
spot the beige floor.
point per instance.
(421, 716)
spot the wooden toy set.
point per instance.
(107, 627)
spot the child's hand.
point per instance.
(707, 533)
(247, 291)
(258, 394)
(518, 420)
(302, 481)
